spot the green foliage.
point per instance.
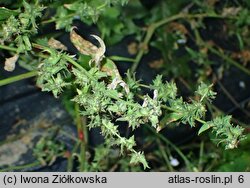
(139, 157)
(235, 160)
(103, 96)
(205, 92)
(6, 13)
(47, 150)
(166, 91)
(87, 11)
(52, 72)
(20, 28)
(225, 132)
(231, 135)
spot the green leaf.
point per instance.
(205, 92)
(110, 68)
(165, 90)
(204, 127)
(139, 158)
(6, 13)
(169, 118)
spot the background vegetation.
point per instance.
(116, 65)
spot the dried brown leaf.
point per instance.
(10, 63)
(133, 48)
(83, 46)
(175, 26)
(156, 64)
(53, 43)
(87, 48)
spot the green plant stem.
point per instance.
(173, 110)
(69, 59)
(69, 15)
(71, 157)
(200, 163)
(145, 86)
(82, 138)
(8, 48)
(167, 107)
(216, 109)
(165, 156)
(185, 159)
(229, 60)
(57, 19)
(75, 64)
(78, 66)
(119, 58)
(26, 166)
(151, 29)
(18, 78)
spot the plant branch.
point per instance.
(185, 159)
(151, 29)
(26, 166)
(8, 48)
(71, 157)
(82, 138)
(229, 60)
(232, 99)
(18, 78)
(165, 156)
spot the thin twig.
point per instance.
(231, 98)
(81, 137)
(165, 156)
(21, 167)
(185, 159)
(228, 59)
(151, 29)
(19, 77)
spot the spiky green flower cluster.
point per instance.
(21, 25)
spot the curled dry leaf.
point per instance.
(116, 81)
(175, 26)
(87, 48)
(10, 63)
(53, 43)
(111, 69)
(231, 11)
(98, 56)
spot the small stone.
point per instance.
(242, 84)
(174, 162)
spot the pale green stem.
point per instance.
(18, 78)
(8, 48)
(26, 166)
(156, 25)
(185, 159)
